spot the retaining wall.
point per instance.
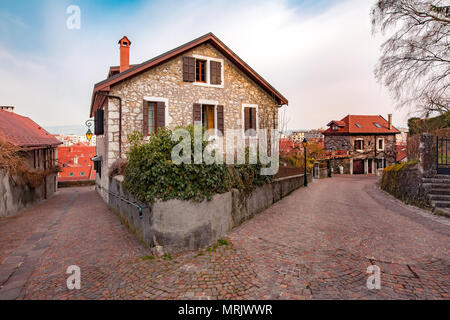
(186, 225)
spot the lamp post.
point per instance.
(305, 145)
(89, 132)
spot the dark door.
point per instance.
(370, 166)
(442, 156)
(358, 166)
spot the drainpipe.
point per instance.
(120, 118)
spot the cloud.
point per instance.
(322, 60)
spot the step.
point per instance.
(438, 191)
(442, 212)
(440, 204)
(436, 185)
(436, 180)
(438, 197)
(442, 176)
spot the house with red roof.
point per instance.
(38, 148)
(370, 141)
(76, 162)
(200, 82)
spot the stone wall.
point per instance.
(334, 143)
(185, 225)
(15, 197)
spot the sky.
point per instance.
(320, 54)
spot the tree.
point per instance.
(415, 60)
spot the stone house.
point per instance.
(369, 140)
(200, 81)
(39, 150)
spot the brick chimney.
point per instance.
(124, 54)
(390, 121)
(7, 108)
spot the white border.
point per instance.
(166, 102)
(247, 105)
(208, 70)
(380, 149)
(362, 144)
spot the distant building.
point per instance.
(72, 139)
(298, 136)
(76, 162)
(369, 140)
(38, 148)
(313, 135)
(402, 137)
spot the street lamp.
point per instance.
(305, 145)
(89, 132)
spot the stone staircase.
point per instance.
(438, 192)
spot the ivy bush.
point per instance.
(150, 173)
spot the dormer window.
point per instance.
(377, 125)
(334, 128)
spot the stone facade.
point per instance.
(374, 158)
(165, 82)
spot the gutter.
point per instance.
(120, 117)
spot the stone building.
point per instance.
(369, 140)
(200, 81)
(39, 150)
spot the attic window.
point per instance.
(125, 43)
(334, 128)
(358, 125)
(377, 125)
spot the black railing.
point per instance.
(442, 156)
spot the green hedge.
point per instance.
(150, 173)
(417, 125)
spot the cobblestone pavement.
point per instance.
(315, 244)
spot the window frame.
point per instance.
(362, 144)
(208, 72)
(166, 104)
(378, 144)
(255, 106)
(198, 66)
(213, 103)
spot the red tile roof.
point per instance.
(401, 152)
(24, 132)
(353, 124)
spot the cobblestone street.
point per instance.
(315, 244)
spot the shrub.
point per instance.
(151, 174)
(392, 175)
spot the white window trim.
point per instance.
(378, 140)
(166, 102)
(246, 105)
(208, 72)
(362, 144)
(215, 104)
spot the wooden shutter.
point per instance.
(220, 121)
(253, 124)
(160, 114)
(98, 122)
(216, 72)
(246, 119)
(188, 69)
(197, 112)
(145, 119)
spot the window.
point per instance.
(151, 117)
(359, 144)
(250, 120)
(200, 70)
(81, 174)
(70, 174)
(377, 125)
(334, 128)
(358, 125)
(208, 117)
(380, 144)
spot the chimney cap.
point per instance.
(124, 38)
